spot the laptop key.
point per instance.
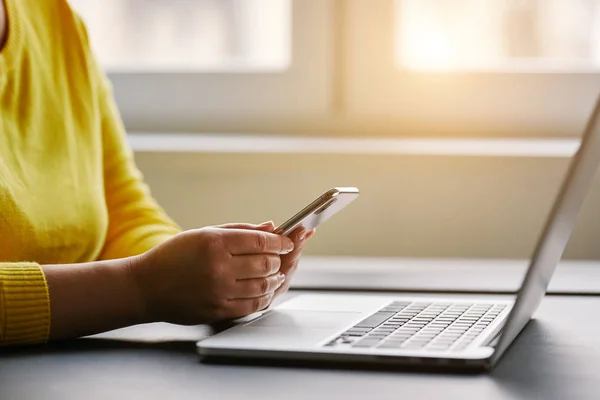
(374, 320)
(356, 329)
(357, 332)
(391, 345)
(445, 319)
(380, 332)
(403, 333)
(413, 346)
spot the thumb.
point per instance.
(265, 226)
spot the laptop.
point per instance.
(470, 332)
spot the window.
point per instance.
(179, 35)
(497, 34)
(454, 68)
(213, 65)
(474, 68)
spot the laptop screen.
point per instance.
(556, 233)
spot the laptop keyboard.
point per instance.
(406, 325)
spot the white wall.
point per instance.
(418, 206)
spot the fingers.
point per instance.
(301, 234)
(242, 307)
(255, 266)
(289, 261)
(268, 226)
(256, 292)
(298, 234)
(283, 288)
(310, 234)
(251, 288)
(242, 242)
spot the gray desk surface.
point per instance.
(556, 357)
(447, 275)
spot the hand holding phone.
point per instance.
(320, 210)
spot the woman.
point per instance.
(83, 246)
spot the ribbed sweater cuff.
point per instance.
(24, 304)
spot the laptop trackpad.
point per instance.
(305, 319)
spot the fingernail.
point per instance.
(301, 234)
(288, 247)
(267, 223)
(281, 278)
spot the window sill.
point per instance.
(263, 144)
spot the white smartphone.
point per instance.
(320, 210)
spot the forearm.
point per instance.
(92, 297)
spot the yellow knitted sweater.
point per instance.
(69, 189)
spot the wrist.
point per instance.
(133, 269)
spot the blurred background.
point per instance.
(190, 35)
(455, 118)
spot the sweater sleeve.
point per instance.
(136, 222)
(24, 304)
